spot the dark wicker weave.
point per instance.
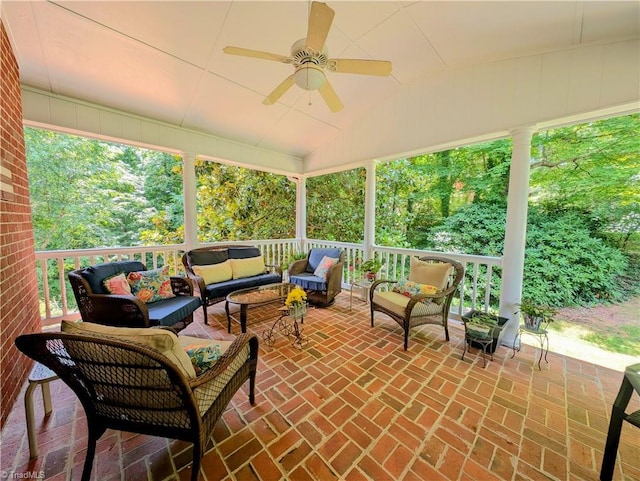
(130, 387)
(443, 298)
(334, 281)
(205, 296)
(121, 311)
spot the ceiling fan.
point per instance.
(309, 57)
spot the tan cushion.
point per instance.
(433, 274)
(397, 303)
(251, 266)
(214, 272)
(162, 340)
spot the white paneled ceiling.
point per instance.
(164, 59)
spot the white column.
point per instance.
(190, 203)
(516, 230)
(370, 209)
(301, 210)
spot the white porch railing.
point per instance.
(479, 289)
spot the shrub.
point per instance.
(566, 263)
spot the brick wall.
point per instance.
(19, 311)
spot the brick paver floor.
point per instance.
(352, 405)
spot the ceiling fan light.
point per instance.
(309, 78)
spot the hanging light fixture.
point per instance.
(309, 77)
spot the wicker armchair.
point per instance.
(129, 386)
(413, 311)
(97, 305)
(320, 291)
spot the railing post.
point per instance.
(516, 230)
(301, 210)
(190, 201)
(370, 209)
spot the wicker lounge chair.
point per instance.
(419, 309)
(129, 386)
(321, 291)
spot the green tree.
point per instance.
(335, 206)
(593, 167)
(235, 203)
(81, 195)
(417, 194)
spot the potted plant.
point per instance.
(371, 268)
(481, 326)
(535, 315)
(296, 302)
(484, 322)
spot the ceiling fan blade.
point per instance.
(279, 91)
(320, 21)
(246, 52)
(330, 97)
(363, 67)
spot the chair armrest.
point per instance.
(334, 277)
(199, 281)
(124, 310)
(379, 282)
(274, 268)
(227, 358)
(181, 286)
(440, 297)
(376, 284)
(297, 267)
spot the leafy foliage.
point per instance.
(565, 263)
(335, 206)
(235, 203)
(584, 203)
(86, 193)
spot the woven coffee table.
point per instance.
(253, 297)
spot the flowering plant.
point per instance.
(296, 297)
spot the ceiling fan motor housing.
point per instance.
(303, 55)
(309, 64)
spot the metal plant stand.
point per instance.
(288, 328)
(484, 342)
(543, 338)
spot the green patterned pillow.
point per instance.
(203, 358)
(204, 353)
(151, 286)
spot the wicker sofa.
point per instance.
(220, 270)
(96, 304)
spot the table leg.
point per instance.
(226, 308)
(615, 427)
(28, 408)
(351, 298)
(243, 318)
(515, 342)
(542, 339)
